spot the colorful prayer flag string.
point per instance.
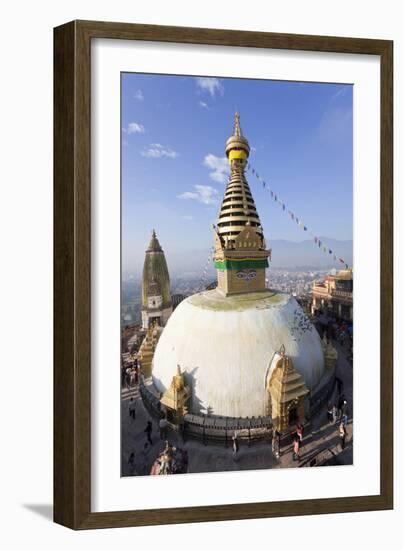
(205, 270)
(274, 196)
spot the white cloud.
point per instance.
(340, 93)
(203, 104)
(138, 94)
(210, 85)
(218, 166)
(204, 194)
(336, 124)
(135, 128)
(156, 150)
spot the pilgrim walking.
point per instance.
(148, 430)
(132, 408)
(275, 444)
(300, 431)
(296, 443)
(343, 435)
(235, 445)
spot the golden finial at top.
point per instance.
(237, 141)
(237, 125)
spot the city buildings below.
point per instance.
(333, 296)
(297, 282)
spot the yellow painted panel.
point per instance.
(237, 154)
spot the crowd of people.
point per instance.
(130, 373)
(296, 437)
(171, 460)
(343, 334)
(336, 330)
(337, 414)
(338, 411)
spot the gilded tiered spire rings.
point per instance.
(240, 254)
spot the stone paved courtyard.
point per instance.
(319, 435)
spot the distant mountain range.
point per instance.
(290, 255)
(285, 254)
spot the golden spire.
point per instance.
(240, 254)
(238, 207)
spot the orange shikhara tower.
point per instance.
(240, 254)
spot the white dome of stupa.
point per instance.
(225, 345)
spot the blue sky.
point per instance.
(174, 130)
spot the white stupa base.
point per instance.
(225, 346)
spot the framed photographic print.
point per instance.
(223, 275)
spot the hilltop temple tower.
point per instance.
(227, 340)
(240, 254)
(156, 291)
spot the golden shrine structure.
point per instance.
(176, 397)
(287, 393)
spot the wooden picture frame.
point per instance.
(72, 271)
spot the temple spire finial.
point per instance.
(237, 141)
(282, 350)
(237, 125)
(154, 245)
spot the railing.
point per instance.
(150, 400)
(323, 291)
(221, 430)
(348, 296)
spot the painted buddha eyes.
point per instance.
(246, 274)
